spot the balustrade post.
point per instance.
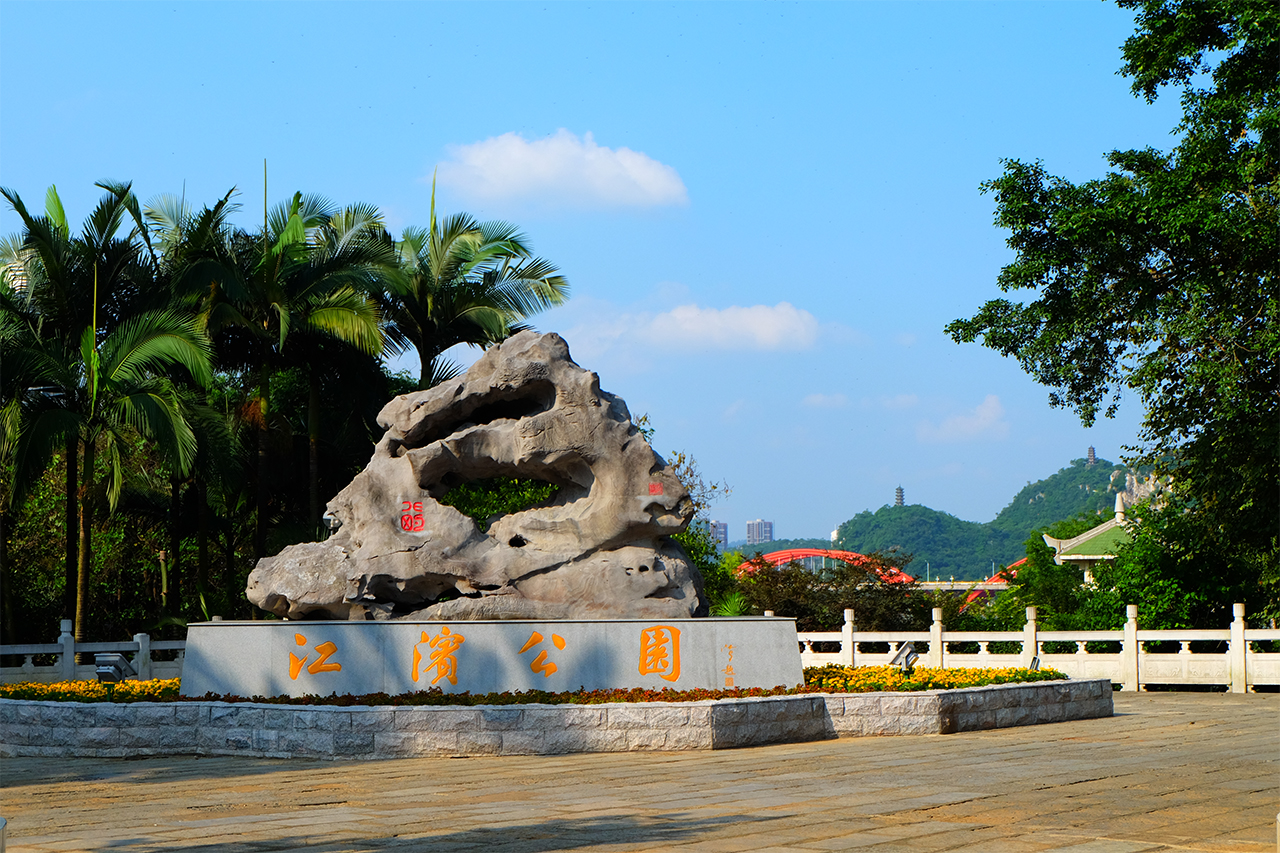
(1130, 677)
(936, 654)
(1238, 651)
(68, 642)
(142, 660)
(1029, 641)
(847, 649)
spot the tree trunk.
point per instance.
(424, 367)
(174, 604)
(202, 545)
(6, 591)
(86, 542)
(313, 437)
(264, 405)
(71, 566)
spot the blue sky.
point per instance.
(767, 212)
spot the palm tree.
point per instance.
(112, 391)
(465, 282)
(304, 278)
(59, 286)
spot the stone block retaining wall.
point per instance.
(970, 709)
(64, 729)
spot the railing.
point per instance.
(66, 650)
(1127, 662)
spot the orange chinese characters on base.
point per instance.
(442, 646)
(728, 670)
(540, 663)
(321, 664)
(660, 652)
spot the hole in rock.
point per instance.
(517, 542)
(482, 500)
(533, 398)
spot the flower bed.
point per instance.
(832, 678)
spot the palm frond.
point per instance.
(156, 342)
(154, 411)
(440, 370)
(350, 317)
(54, 210)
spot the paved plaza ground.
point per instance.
(1191, 771)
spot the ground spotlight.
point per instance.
(906, 657)
(112, 666)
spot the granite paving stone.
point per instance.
(1171, 771)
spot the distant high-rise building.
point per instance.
(897, 496)
(759, 531)
(1093, 458)
(720, 534)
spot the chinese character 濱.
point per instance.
(540, 663)
(660, 652)
(326, 651)
(442, 646)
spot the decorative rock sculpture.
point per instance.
(597, 548)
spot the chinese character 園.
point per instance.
(660, 652)
(321, 664)
(443, 646)
(540, 663)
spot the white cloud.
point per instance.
(826, 401)
(752, 327)
(562, 168)
(984, 421)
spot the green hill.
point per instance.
(943, 545)
(949, 546)
(1075, 489)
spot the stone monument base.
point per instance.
(289, 658)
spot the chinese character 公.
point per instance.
(660, 652)
(540, 663)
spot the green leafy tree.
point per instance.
(817, 600)
(96, 368)
(57, 284)
(464, 282)
(1160, 278)
(1055, 591)
(306, 277)
(106, 393)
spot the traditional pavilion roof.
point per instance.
(1103, 543)
(1097, 543)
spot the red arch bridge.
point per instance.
(819, 558)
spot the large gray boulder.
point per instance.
(598, 548)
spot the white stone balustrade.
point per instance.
(66, 649)
(1232, 662)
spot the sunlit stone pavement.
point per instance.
(1169, 772)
